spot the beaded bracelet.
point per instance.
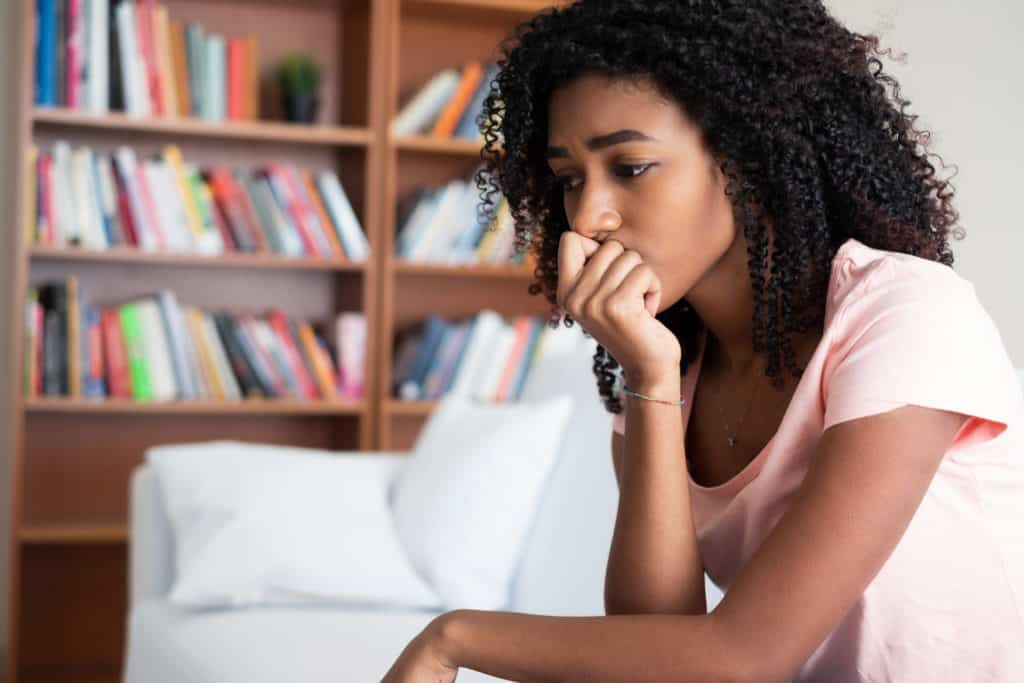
(630, 392)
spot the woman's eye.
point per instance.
(631, 170)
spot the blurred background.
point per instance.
(273, 237)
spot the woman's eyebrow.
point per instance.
(601, 141)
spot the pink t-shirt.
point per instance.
(948, 605)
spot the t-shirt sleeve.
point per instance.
(923, 341)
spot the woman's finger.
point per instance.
(641, 282)
(573, 252)
(590, 279)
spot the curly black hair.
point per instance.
(794, 107)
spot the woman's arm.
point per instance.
(654, 565)
(867, 480)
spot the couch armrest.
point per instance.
(151, 542)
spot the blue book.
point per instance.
(46, 53)
(411, 388)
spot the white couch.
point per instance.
(561, 573)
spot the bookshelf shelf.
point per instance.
(429, 144)
(254, 261)
(411, 408)
(516, 8)
(340, 136)
(244, 407)
(49, 534)
(466, 271)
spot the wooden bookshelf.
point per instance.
(243, 407)
(426, 36)
(73, 458)
(231, 260)
(43, 534)
(294, 134)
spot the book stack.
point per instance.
(448, 225)
(485, 357)
(449, 105)
(131, 56)
(154, 349)
(98, 201)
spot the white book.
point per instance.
(124, 159)
(154, 180)
(64, 198)
(220, 358)
(477, 354)
(446, 206)
(350, 232)
(216, 82)
(487, 384)
(271, 343)
(97, 91)
(463, 216)
(170, 196)
(418, 219)
(350, 340)
(87, 208)
(157, 351)
(133, 77)
(427, 104)
(174, 324)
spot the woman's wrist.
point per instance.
(659, 384)
(446, 636)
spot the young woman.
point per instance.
(811, 406)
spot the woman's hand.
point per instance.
(615, 295)
(423, 660)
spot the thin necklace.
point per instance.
(730, 435)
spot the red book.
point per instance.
(224, 195)
(279, 178)
(150, 207)
(279, 323)
(236, 78)
(73, 59)
(523, 328)
(131, 234)
(147, 47)
(119, 381)
(222, 226)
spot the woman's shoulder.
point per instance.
(876, 280)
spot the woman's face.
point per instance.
(634, 168)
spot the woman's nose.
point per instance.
(596, 222)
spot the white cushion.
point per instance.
(261, 524)
(465, 502)
(563, 566)
(270, 644)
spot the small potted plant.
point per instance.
(299, 78)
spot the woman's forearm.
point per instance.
(654, 565)
(612, 649)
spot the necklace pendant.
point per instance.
(732, 440)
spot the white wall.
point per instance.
(963, 76)
(8, 51)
